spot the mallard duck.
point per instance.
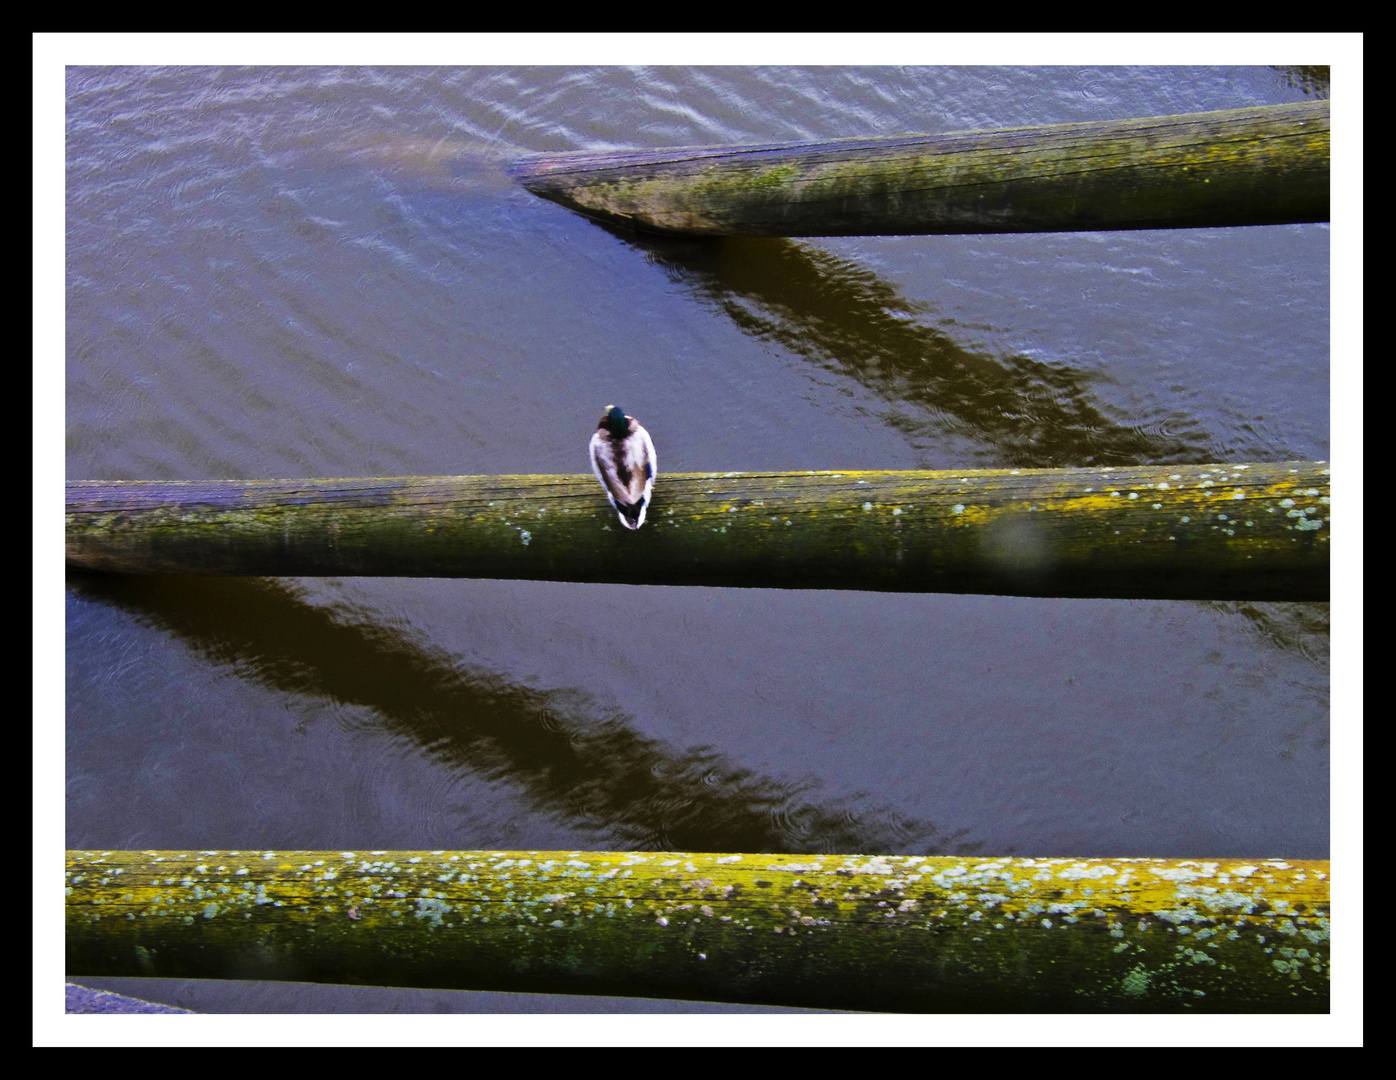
(622, 456)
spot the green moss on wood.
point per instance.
(1259, 165)
(1247, 531)
(840, 931)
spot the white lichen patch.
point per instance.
(1078, 871)
(1180, 873)
(433, 910)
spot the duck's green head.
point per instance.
(616, 423)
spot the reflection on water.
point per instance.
(1301, 629)
(1310, 78)
(573, 758)
(845, 319)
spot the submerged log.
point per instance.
(1262, 165)
(892, 933)
(1183, 532)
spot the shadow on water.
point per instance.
(570, 757)
(846, 320)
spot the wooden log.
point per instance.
(1262, 165)
(891, 933)
(1210, 532)
(1186, 531)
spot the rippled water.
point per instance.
(326, 272)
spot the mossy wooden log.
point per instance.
(1231, 532)
(834, 931)
(1263, 165)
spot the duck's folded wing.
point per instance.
(639, 466)
(612, 467)
(651, 462)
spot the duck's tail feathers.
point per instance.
(632, 515)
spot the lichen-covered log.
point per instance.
(1189, 531)
(835, 931)
(1262, 165)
